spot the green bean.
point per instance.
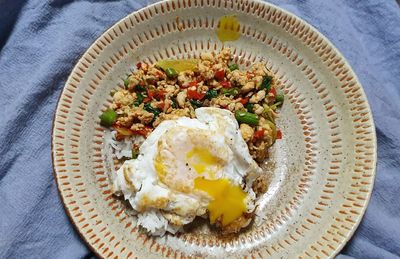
(171, 73)
(108, 118)
(246, 117)
(230, 91)
(233, 67)
(280, 98)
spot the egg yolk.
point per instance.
(227, 199)
(228, 28)
(201, 159)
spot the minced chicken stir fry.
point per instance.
(174, 88)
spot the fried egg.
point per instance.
(188, 168)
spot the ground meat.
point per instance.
(150, 96)
(236, 225)
(260, 185)
(259, 96)
(247, 132)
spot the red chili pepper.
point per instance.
(272, 91)
(146, 100)
(161, 105)
(160, 94)
(244, 100)
(278, 134)
(219, 75)
(139, 65)
(249, 76)
(142, 83)
(194, 83)
(150, 93)
(159, 74)
(226, 84)
(259, 134)
(192, 94)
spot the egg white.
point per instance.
(161, 205)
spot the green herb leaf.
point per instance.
(151, 109)
(211, 93)
(233, 67)
(196, 103)
(266, 83)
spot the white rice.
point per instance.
(152, 221)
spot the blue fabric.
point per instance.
(40, 41)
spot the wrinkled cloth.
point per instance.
(40, 42)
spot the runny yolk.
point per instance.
(201, 159)
(228, 28)
(227, 199)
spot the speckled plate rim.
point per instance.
(349, 234)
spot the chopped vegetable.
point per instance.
(140, 88)
(280, 98)
(178, 65)
(268, 112)
(219, 75)
(273, 128)
(138, 65)
(196, 103)
(230, 92)
(151, 109)
(108, 118)
(272, 91)
(126, 82)
(135, 153)
(249, 107)
(246, 117)
(193, 94)
(266, 83)
(233, 67)
(194, 83)
(174, 104)
(226, 84)
(211, 93)
(171, 73)
(244, 101)
(259, 134)
(139, 99)
(278, 134)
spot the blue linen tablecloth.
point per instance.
(40, 42)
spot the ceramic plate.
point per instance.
(321, 172)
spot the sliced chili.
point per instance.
(219, 75)
(194, 95)
(226, 84)
(259, 134)
(244, 100)
(278, 134)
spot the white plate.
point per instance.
(322, 172)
